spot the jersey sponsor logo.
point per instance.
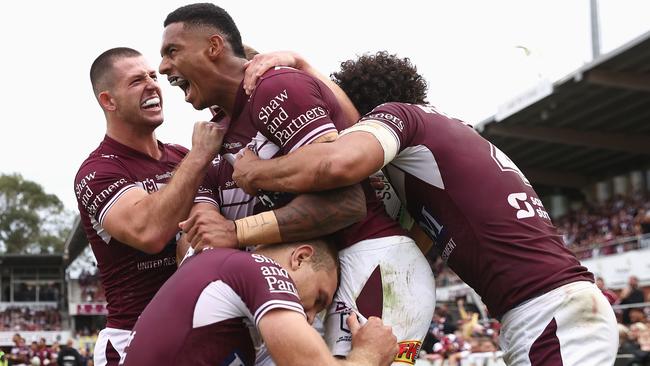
(231, 146)
(514, 199)
(164, 176)
(449, 248)
(91, 207)
(505, 164)
(157, 263)
(431, 226)
(82, 189)
(408, 351)
(278, 121)
(277, 278)
(387, 117)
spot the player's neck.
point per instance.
(141, 140)
(229, 84)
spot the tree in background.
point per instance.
(31, 221)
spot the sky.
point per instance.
(470, 52)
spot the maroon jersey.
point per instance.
(233, 202)
(208, 312)
(287, 110)
(130, 277)
(483, 215)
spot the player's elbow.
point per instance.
(149, 241)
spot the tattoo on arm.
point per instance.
(316, 214)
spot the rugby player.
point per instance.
(482, 214)
(133, 190)
(383, 273)
(221, 304)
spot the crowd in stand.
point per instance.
(602, 223)
(24, 318)
(39, 353)
(91, 289)
(457, 336)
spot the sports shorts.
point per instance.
(389, 278)
(571, 325)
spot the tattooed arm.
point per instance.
(309, 216)
(306, 217)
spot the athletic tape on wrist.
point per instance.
(258, 229)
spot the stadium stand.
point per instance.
(583, 143)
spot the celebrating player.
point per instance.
(479, 209)
(383, 273)
(133, 190)
(215, 308)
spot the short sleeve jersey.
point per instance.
(130, 277)
(208, 312)
(287, 110)
(482, 213)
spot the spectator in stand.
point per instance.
(637, 315)
(642, 355)
(54, 352)
(20, 352)
(68, 356)
(631, 295)
(42, 351)
(625, 343)
(635, 331)
(642, 221)
(609, 294)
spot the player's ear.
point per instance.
(217, 46)
(106, 101)
(300, 256)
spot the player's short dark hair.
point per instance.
(210, 15)
(372, 80)
(103, 65)
(325, 255)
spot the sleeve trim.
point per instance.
(275, 304)
(111, 202)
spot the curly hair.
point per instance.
(372, 80)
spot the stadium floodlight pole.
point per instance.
(595, 29)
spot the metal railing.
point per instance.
(614, 246)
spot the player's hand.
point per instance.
(207, 138)
(244, 167)
(377, 183)
(374, 341)
(259, 64)
(208, 229)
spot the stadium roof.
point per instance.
(76, 242)
(591, 125)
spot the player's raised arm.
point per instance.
(148, 221)
(316, 167)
